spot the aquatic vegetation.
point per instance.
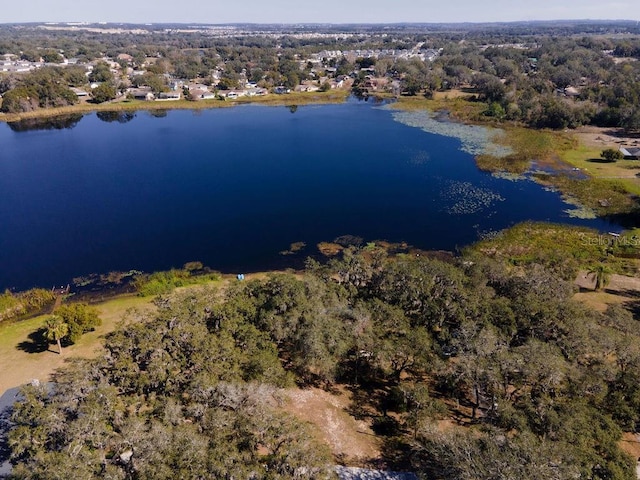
(467, 198)
(476, 140)
(511, 177)
(578, 210)
(294, 248)
(329, 249)
(418, 157)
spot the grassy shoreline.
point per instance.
(335, 96)
(559, 153)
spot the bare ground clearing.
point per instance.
(351, 440)
(621, 289)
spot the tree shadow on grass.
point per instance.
(600, 160)
(36, 343)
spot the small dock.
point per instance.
(60, 293)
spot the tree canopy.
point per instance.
(547, 385)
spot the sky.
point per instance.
(314, 11)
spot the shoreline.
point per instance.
(551, 145)
(299, 98)
(609, 190)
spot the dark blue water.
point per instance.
(233, 187)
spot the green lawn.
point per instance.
(19, 366)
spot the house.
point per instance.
(307, 87)
(571, 92)
(197, 86)
(141, 93)
(126, 57)
(200, 94)
(630, 153)
(79, 92)
(255, 92)
(168, 96)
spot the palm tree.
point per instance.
(55, 330)
(601, 273)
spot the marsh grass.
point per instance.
(460, 108)
(604, 196)
(163, 282)
(562, 248)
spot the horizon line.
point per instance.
(290, 23)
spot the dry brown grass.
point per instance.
(621, 289)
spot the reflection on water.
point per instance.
(158, 113)
(120, 117)
(52, 123)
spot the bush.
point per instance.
(611, 155)
(80, 318)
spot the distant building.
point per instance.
(630, 153)
(141, 93)
(79, 92)
(169, 96)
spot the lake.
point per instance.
(233, 187)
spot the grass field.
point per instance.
(22, 359)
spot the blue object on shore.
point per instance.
(241, 276)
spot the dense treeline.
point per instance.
(43, 88)
(546, 82)
(545, 385)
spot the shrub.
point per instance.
(163, 282)
(611, 155)
(80, 318)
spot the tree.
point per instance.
(103, 93)
(101, 73)
(80, 319)
(55, 330)
(51, 56)
(611, 155)
(601, 274)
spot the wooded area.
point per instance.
(541, 386)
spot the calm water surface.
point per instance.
(233, 187)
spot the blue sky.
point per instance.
(329, 11)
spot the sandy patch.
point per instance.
(350, 439)
(602, 137)
(620, 289)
